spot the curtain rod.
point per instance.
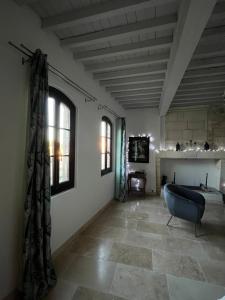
(64, 77)
(105, 107)
(55, 71)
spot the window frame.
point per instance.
(108, 123)
(58, 187)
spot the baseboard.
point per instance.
(58, 251)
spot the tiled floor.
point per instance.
(129, 253)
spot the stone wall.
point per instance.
(196, 125)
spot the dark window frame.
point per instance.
(58, 187)
(108, 123)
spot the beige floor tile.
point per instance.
(143, 239)
(130, 255)
(182, 246)
(178, 265)
(83, 293)
(106, 232)
(89, 272)
(214, 271)
(62, 291)
(152, 228)
(137, 215)
(215, 252)
(132, 238)
(88, 246)
(139, 284)
(188, 289)
(117, 222)
(62, 261)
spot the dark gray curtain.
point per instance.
(120, 185)
(38, 271)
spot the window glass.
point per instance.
(61, 137)
(106, 146)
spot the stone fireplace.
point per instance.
(191, 168)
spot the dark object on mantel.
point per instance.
(140, 179)
(164, 180)
(174, 178)
(177, 147)
(206, 146)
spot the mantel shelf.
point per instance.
(220, 155)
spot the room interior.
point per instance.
(125, 191)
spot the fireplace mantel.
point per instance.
(218, 156)
(192, 154)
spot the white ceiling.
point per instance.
(127, 45)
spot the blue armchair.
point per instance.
(184, 203)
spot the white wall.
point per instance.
(191, 172)
(70, 209)
(198, 125)
(145, 121)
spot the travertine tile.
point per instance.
(106, 232)
(188, 289)
(90, 272)
(117, 222)
(88, 246)
(178, 265)
(139, 284)
(152, 228)
(131, 255)
(182, 246)
(116, 255)
(83, 293)
(143, 239)
(214, 271)
(62, 291)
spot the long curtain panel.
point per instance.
(38, 271)
(120, 186)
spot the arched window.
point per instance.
(106, 146)
(61, 134)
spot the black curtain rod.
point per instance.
(105, 107)
(64, 77)
(55, 71)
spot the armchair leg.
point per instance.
(169, 220)
(196, 224)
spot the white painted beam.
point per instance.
(137, 93)
(219, 9)
(212, 101)
(207, 62)
(151, 69)
(123, 31)
(135, 61)
(138, 97)
(204, 72)
(213, 33)
(192, 19)
(94, 12)
(139, 101)
(133, 79)
(201, 86)
(138, 106)
(137, 86)
(195, 98)
(202, 92)
(203, 79)
(158, 43)
(214, 49)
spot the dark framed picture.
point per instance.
(138, 149)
